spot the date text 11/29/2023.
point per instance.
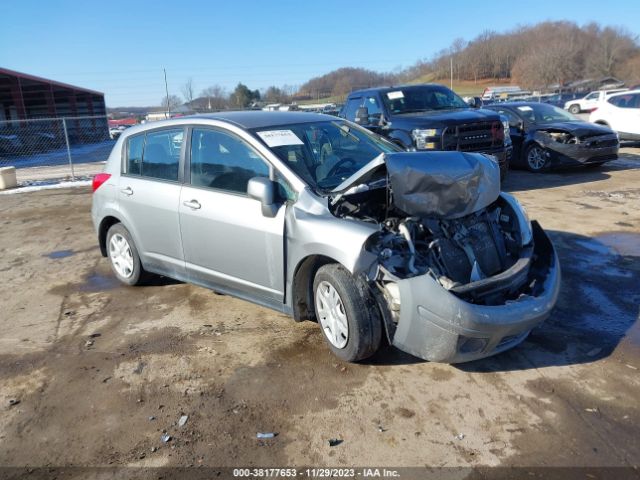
(315, 472)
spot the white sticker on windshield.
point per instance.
(395, 95)
(278, 138)
(525, 109)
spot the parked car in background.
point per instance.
(502, 93)
(428, 117)
(621, 112)
(319, 218)
(590, 101)
(545, 137)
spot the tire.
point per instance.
(575, 108)
(347, 314)
(123, 256)
(535, 159)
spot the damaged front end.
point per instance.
(576, 148)
(461, 273)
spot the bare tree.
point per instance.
(217, 97)
(611, 46)
(188, 92)
(171, 102)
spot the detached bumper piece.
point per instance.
(482, 318)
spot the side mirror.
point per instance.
(263, 190)
(473, 102)
(362, 116)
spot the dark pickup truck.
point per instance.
(428, 117)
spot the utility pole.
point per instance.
(166, 89)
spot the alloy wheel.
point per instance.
(536, 158)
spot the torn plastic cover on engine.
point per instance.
(442, 184)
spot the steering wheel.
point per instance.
(337, 166)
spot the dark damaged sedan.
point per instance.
(546, 137)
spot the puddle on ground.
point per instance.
(59, 254)
(97, 282)
(624, 243)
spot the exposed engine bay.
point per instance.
(465, 252)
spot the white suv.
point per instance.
(590, 101)
(620, 112)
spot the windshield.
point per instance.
(324, 154)
(544, 113)
(422, 99)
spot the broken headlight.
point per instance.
(426, 139)
(523, 219)
(563, 137)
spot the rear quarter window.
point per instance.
(135, 147)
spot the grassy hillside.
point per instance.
(463, 88)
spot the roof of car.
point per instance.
(257, 118)
(515, 104)
(626, 92)
(394, 87)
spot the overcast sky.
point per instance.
(120, 48)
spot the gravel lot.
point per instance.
(101, 370)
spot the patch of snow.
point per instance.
(46, 186)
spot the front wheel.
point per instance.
(535, 158)
(575, 109)
(347, 314)
(123, 256)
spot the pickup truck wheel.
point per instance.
(574, 109)
(347, 314)
(123, 256)
(535, 158)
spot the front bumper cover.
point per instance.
(597, 149)
(438, 326)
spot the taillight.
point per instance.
(593, 110)
(99, 179)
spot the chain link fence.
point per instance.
(55, 148)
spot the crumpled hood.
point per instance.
(579, 129)
(433, 184)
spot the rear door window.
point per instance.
(155, 154)
(161, 157)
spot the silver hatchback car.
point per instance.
(319, 218)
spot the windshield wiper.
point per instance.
(414, 110)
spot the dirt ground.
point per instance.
(100, 370)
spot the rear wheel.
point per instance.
(123, 256)
(574, 109)
(347, 314)
(535, 158)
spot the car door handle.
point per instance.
(127, 191)
(194, 204)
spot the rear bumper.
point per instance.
(439, 326)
